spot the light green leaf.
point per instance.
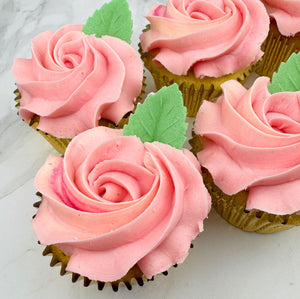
(160, 118)
(288, 76)
(113, 18)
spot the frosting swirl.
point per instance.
(286, 13)
(214, 38)
(263, 154)
(73, 80)
(113, 200)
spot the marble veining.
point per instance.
(224, 263)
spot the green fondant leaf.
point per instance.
(113, 18)
(288, 76)
(160, 118)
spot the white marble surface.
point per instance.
(225, 262)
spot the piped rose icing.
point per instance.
(213, 38)
(251, 141)
(286, 13)
(74, 79)
(113, 201)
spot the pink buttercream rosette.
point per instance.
(73, 80)
(251, 141)
(113, 202)
(214, 38)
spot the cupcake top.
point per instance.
(80, 74)
(114, 201)
(287, 15)
(251, 140)
(213, 38)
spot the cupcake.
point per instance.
(284, 35)
(251, 151)
(119, 206)
(200, 45)
(80, 77)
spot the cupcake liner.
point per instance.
(195, 143)
(233, 208)
(194, 90)
(60, 144)
(277, 48)
(133, 276)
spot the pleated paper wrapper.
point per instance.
(277, 48)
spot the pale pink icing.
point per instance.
(251, 141)
(286, 13)
(73, 80)
(213, 38)
(113, 201)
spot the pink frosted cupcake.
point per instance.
(284, 34)
(201, 44)
(118, 207)
(77, 77)
(251, 151)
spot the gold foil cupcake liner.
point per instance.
(60, 144)
(277, 48)
(233, 208)
(133, 276)
(195, 143)
(194, 90)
